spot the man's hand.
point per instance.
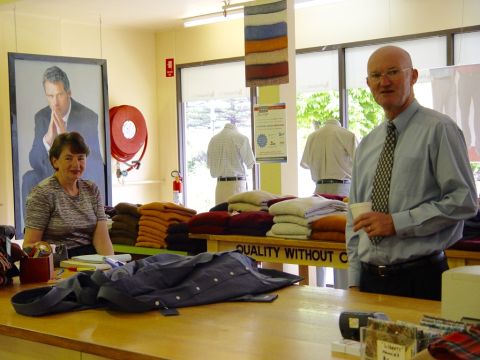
(375, 224)
(56, 127)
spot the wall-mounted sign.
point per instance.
(270, 133)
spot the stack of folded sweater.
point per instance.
(212, 222)
(155, 219)
(330, 227)
(255, 223)
(282, 198)
(254, 200)
(124, 228)
(333, 197)
(293, 218)
(178, 239)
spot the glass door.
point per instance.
(212, 96)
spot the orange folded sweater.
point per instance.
(336, 222)
(334, 236)
(165, 206)
(166, 216)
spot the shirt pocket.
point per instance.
(411, 176)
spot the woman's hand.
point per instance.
(31, 237)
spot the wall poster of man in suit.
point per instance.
(51, 95)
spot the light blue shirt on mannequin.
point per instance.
(432, 189)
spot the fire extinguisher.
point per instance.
(177, 187)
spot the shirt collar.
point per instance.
(401, 121)
(230, 126)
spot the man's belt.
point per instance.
(333, 181)
(230, 178)
(395, 269)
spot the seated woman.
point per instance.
(64, 208)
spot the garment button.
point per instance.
(177, 297)
(215, 279)
(232, 273)
(198, 288)
(157, 303)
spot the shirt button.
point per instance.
(232, 273)
(198, 288)
(177, 297)
(157, 303)
(215, 279)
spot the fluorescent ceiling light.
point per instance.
(235, 11)
(213, 18)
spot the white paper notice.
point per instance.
(270, 133)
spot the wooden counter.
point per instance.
(300, 324)
(306, 252)
(462, 257)
(281, 250)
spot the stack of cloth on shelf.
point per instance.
(212, 222)
(254, 200)
(333, 197)
(124, 228)
(281, 198)
(293, 218)
(178, 239)
(155, 219)
(330, 227)
(254, 223)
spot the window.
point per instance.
(212, 96)
(466, 47)
(317, 101)
(363, 113)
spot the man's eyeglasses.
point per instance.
(391, 74)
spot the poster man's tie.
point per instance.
(383, 174)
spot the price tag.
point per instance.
(391, 351)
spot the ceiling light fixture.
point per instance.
(231, 11)
(212, 18)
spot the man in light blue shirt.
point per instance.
(432, 190)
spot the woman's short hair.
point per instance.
(73, 140)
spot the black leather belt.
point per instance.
(395, 269)
(230, 178)
(333, 181)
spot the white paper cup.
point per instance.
(360, 208)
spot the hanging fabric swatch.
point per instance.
(266, 44)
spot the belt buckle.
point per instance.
(382, 270)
